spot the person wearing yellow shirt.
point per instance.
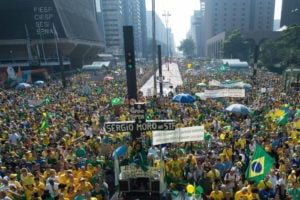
(191, 160)
(216, 194)
(28, 156)
(71, 180)
(213, 174)
(242, 194)
(84, 173)
(227, 152)
(282, 166)
(70, 193)
(292, 177)
(63, 177)
(265, 183)
(46, 173)
(26, 177)
(29, 190)
(39, 186)
(84, 185)
(241, 142)
(13, 181)
(175, 167)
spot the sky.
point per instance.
(181, 12)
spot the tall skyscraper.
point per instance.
(223, 16)
(290, 12)
(197, 32)
(112, 17)
(247, 15)
(133, 14)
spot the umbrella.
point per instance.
(120, 151)
(23, 85)
(108, 78)
(238, 109)
(183, 98)
(39, 82)
(202, 84)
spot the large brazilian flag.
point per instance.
(260, 165)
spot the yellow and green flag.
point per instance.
(116, 101)
(44, 125)
(260, 165)
(283, 119)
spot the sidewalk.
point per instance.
(171, 77)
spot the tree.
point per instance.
(284, 52)
(187, 46)
(236, 46)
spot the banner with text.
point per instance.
(228, 84)
(187, 134)
(225, 93)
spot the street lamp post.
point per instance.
(154, 47)
(167, 15)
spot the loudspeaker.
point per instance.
(154, 186)
(124, 186)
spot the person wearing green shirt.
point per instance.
(294, 192)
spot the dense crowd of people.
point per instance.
(59, 149)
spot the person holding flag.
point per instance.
(260, 165)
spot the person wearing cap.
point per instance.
(13, 181)
(233, 178)
(242, 194)
(84, 173)
(292, 177)
(84, 185)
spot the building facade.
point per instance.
(133, 14)
(197, 32)
(112, 19)
(290, 12)
(246, 15)
(37, 33)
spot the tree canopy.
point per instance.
(187, 46)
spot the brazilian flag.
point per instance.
(260, 165)
(116, 101)
(283, 119)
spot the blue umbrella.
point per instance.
(238, 109)
(23, 85)
(120, 151)
(183, 98)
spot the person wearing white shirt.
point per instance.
(52, 188)
(14, 137)
(88, 131)
(273, 179)
(153, 150)
(252, 145)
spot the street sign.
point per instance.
(149, 125)
(140, 125)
